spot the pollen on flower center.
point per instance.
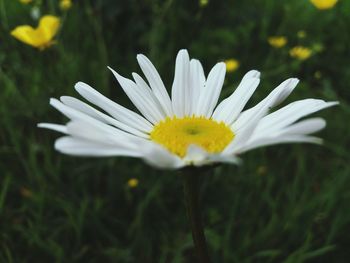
(176, 134)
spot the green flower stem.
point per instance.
(190, 180)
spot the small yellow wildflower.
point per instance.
(301, 34)
(203, 3)
(300, 52)
(277, 41)
(65, 4)
(231, 64)
(133, 182)
(40, 37)
(25, 2)
(324, 4)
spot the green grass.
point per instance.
(287, 203)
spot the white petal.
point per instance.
(228, 110)
(286, 89)
(83, 107)
(196, 156)
(245, 132)
(251, 74)
(278, 140)
(81, 147)
(197, 82)
(158, 156)
(273, 128)
(141, 99)
(78, 110)
(291, 113)
(54, 127)
(246, 125)
(307, 126)
(180, 96)
(210, 94)
(280, 93)
(156, 83)
(144, 86)
(120, 113)
(271, 100)
(101, 133)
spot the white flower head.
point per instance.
(189, 128)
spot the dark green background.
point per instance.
(287, 203)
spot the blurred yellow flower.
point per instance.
(203, 3)
(300, 52)
(231, 64)
(25, 2)
(277, 41)
(65, 4)
(133, 182)
(40, 37)
(301, 34)
(324, 4)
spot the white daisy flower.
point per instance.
(188, 129)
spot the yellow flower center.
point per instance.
(65, 4)
(176, 134)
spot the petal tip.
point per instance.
(53, 101)
(64, 98)
(113, 71)
(140, 57)
(183, 55)
(80, 85)
(252, 74)
(256, 74)
(183, 50)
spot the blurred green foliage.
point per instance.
(286, 203)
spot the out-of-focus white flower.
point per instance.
(35, 12)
